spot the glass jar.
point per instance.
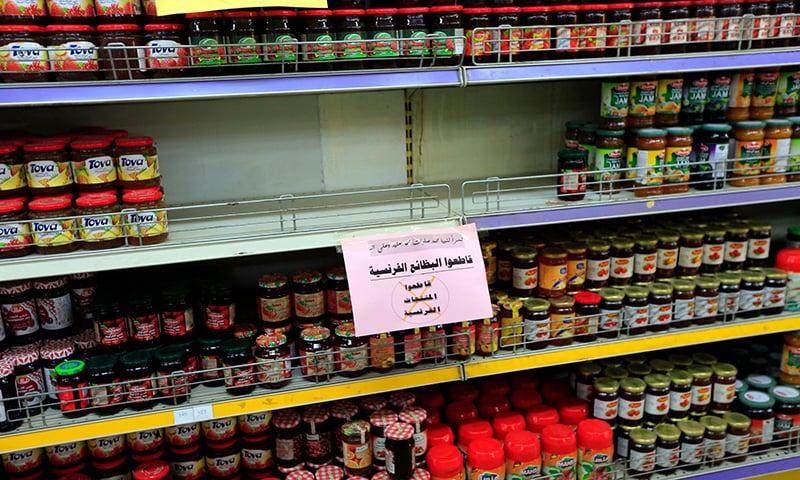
(71, 64)
(308, 295)
(110, 327)
(218, 310)
(668, 447)
(701, 389)
(54, 307)
(736, 246)
(572, 165)
(680, 394)
(280, 51)
(205, 36)
(737, 440)
(758, 242)
(211, 361)
(413, 24)
(587, 142)
(337, 294)
(565, 32)
(646, 35)
(47, 168)
(657, 395)
(317, 435)
(692, 444)
(748, 147)
(611, 307)
(352, 352)
(107, 390)
(741, 88)
(598, 264)
(728, 295)
(121, 63)
(719, 89)
(592, 39)
(148, 225)
(447, 25)
(100, 221)
(724, 386)
(141, 316)
(695, 97)
(621, 264)
(605, 399)
(642, 106)
(614, 100)
(273, 361)
(659, 307)
(729, 24)
(381, 28)
(787, 411)
(53, 231)
(651, 144)
(137, 163)
(706, 300)
(536, 37)
(765, 82)
(587, 316)
(536, 323)
(777, 143)
(381, 352)
(13, 184)
(608, 160)
(552, 272)
(713, 250)
(642, 453)
(137, 372)
(758, 406)
(712, 149)
(315, 350)
(379, 420)
(677, 26)
(715, 436)
(645, 259)
(667, 254)
(172, 380)
(275, 307)
(524, 271)
(751, 294)
(585, 375)
(668, 97)
(288, 438)
(562, 318)
(788, 95)
(33, 64)
(93, 165)
(677, 160)
(176, 314)
(631, 402)
(774, 291)
(242, 35)
(636, 310)
(356, 444)
(576, 266)
(239, 370)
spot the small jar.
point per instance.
(787, 411)
(400, 462)
(680, 394)
(706, 305)
(668, 97)
(242, 35)
(608, 160)
(765, 82)
(33, 64)
(93, 165)
(657, 395)
(737, 438)
(667, 254)
(317, 435)
(713, 250)
(618, 31)
(47, 168)
(536, 37)
(205, 36)
(552, 272)
(605, 403)
(644, 259)
(758, 242)
(724, 388)
(211, 361)
(728, 295)
(172, 380)
(642, 453)
(668, 447)
(308, 295)
(758, 406)
(351, 352)
(73, 393)
(280, 53)
(741, 83)
(611, 308)
(136, 159)
(614, 100)
(587, 316)
(275, 307)
(635, 314)
(381, 28)
(288, 438)
(110, 327)
(536, 323)
(176, 314)
(678, 23)
(572, 166)
(565, 34)
(631, 402)
(659, 316)
(642, 105)
(337, 294)
(715, 436)
(511, 324)
(621, 264)
(137, 371)
(52, 231)
(751, 295)
(736, 246)
(777, 144)
(678, 159)
(651, 144)
(748, 148)
(13, 184)
(218, 310)
(53, 307)
(99, 221)
(71, 64)
(446, 21)
(562, 318)
(316, 353)
(121, 63)
(701, 389)
(413, 24)
(774, 291)
(695, 97)
(585, 374)
(525, 271)
(692, 444)
(143, 323)
(381, 352)
(787, 97)
(147, 225)
(273, 361)
(107, 389)
(598, 264)
(719, 85)
(239, 370)
(356, 444)
(379, 420)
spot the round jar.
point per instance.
(552, 272)
(53, 231)
(73, 394)
(572, 165)
(758, 406)
(280, 53)
(758, 241)
(692, 444)
(110, 327)
(644, 259)
(99, 221)
(737, 440)
(701, 388)
(609, 155)
(666, 254)
(642, 452)
(32, 65)
(680, 394)
(587, 316)
(611, 308)
(93, 165)
(524, 271)
(317, 31)
(73, 57)
(668, 447)
(137, 371)
(659, 316)
(107, 390)
(137, 162)
(657, 396)
(120, 63)
(47, 168)
(308, 295)
(713, 250)
(748, 148)
(631, 402)
(275, 306)
(751, 295)
(13, 184)
(165, 52)
(777, 143)
(598, 264)
(715, 436)
(741, 82)
(677, 160)
(774, 291)
(706, 300)
(605, 400)
(562, 318)
(273, 361)
(728, 295)
(239, 370)
(148, 224)
(636, 310)
(724, 387)
(288, 438)
(736, 245)
(621, 263)
(651, 144)
(356, 444)
(316, 353)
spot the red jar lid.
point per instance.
(537, 9)
(381, 11)
(491, 405)
(372, 403)
(525, 379)
(401, 399)
(595, 6)
(472, 430)
(477, 11)
(620, 6)
(330, 472)
(286, 419)
(204, 15)
(69, 28)
(648, 5)
(506, 422)
(88, 144)
(788, 260)
(554, 391)
(595, 434)
(155, 470)
(300, 475)
(445, 461)
(705, 2)
(348, 11)
(540, 416)
(430, 397)
(407, 11)
(524, 398)
(399, 431)
(587, 298)
(47, 204)
(163, 26)
(382, 418)
(21, 28)
(142, 196)
(111, 27)
(315, 12)
(416, 416)
(316, 414)
(133, 141)
(572, 411)
(558, 439)
(96, 200)
(240, 13)
(279, 13)
(46, 146)
(440, 434)
(485, 454)
(447, 8)
(506, 10)
(522, 446)
(457, 412)
(495, 386)
(8, 206)
(681, 3)
(462, 392)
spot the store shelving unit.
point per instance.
(186, 246)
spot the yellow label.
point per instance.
(630, 161)
(93, 171)
(12, 177)
(553, 277)
(147, 223)
(649, 167)
(137, 167)
(561, 325)
(48, 174)
(510, 331)
(53, 233)
(98, 228)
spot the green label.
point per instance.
(631, 156)
(353, 47)
(765, 88)
(614, 98)
(206, 51)
(788, 89)
(695, 95)
(384, 44)
(794, 155)
(643, 99)
(677, 166)
(415, 43)
(719, 91)
(320, 48)
(608, 162)
(280, 48)
(670, 93)
(245, 50)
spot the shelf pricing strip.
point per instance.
(171, 7)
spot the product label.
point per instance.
(701, 394)
(790, 360)
(357, 455)
(447, 42)
(180, 435)
(166, 54)
(240, 375)
(692, 452)
(680, 401)
(735, 251)
(106, 447)
(525, 278)
(383, 44)
(712, 158)
(12, 176)
(750, 300)
(706, 306)
(761, 431)
(641, 461)
(29, 388)
(742, 90)
(736, 444)
(244, 50)
(34, 8)
(309, 305)
(221, 429)
(555, 466)
(586, 325)
(275, 309)
(412, 347)
(643, 98)
(618, 35)
(522, 470)
(609, 320)
(670, 94)
(713, 253)
(719, 88)
(289, 449)
(758, 248)
(74, 56)
(647, 32)
(139, 390)
(592, 37)
(98, 228)
(23, 460)
(677, 164)
(535, 38)
(788, 87)
(566, 39)
(576, 272)
(622, 267)
(765, 85)
(177, 323)
(206, 51)
(695, 95)
(66, 453)
(622, 447)
(93, 171)
(188, 469)
(148, 223)
(631, 154)
(648, 167)
(702, 30)
(338, 302)
(777, 151)
(352, 359)
(644, 263)
(583, 391)
(111, 332)
(257, 458)
(55, 313)
(51, 233)
(572, 180)
(561, 326)
(728, 303)
(381, 351)
(224, 466)
(723, 393)
(137, 167)
(667, 457)
(280, 48)
(71, 8)
(316, 363)
(20, 318)
(657, 405)
(659, 314)
(117, 7)
(635, 316)
(729, 28)
(415, 43)
(608, 162)
(676, 31)
(598, 270)
(667, 258)
(48, 174)
(273, 371)
(553, 277)
(631, 410)
(774, 297)
(378, 448)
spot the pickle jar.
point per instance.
(552, 272)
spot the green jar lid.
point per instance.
(729, 278)
(235, 345)
(680, 377)
(714, 424)
(99, 363)
(779, 122)
(722, 369)
(616, 373)
(691, 428)
(169, 353)
(680, 131)
(572, 153)
(632, 385)
(636, 292)
(209, 342)
(611, 133)
(70, 367)
(740, 386)
(757, 399)
(619, 361)
(590, 369)
(750, 124)
(635, 358)
(760, 382)
(795, 229)
(662, 366)
(652, 132)
(657, 380)
(716, 127)
(753, 275)
(573, 124)
(135, 359)
(786, 394)
(589, 127)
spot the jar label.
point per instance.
(789, 81)
(554, 466)
(488, 336)
(165, 54)
(28, 57)
(576, 273)
(648, 167)
(318, 48)
(82, 300)
(659, 314)
(553, 277)
(250, 423)
(240, 375)
(270, 370)
(525, 278)
(504, 266)
(702, 30)
(219, 429)
(434, 344)
(106, 447)
(352, 45)
(605, 409)
(50, 385)
(145, 440)
(634, 316)
(182, 435)
(609, 162)
(747, 161)
(676, 169)
(719, 88)
(692, 452)
(723, 393)
(784, 422)
(670, 94)
(23, 460)
(536, 38)
(642, 461)
(447, 42)
(144, 328)
(777, 150)
(598, 270)
(695, 95)
(316, 363)
(644, 263)
(224, 466)
(643, 98)
(94, 171)
(667, 457)
(680, 401)
(586, 325)
(108, 394)
(55, 313)
(257, 458)
(137, 167)
(750, 300)
(774, 297)
(583, 391)
(71, 8)
(591, 37)
(713, 253)
(98, 228)
(463, 340)
(30, 386)
(206, 51)
(383, 44)
(12, 176)
(110, 332)
(657, 405)
(573, 180)
(412, 348)
(78, 56)
(32, 8)
(736, 444)
(622, 447)
(338, 302)
(526, 470)
(742, 87)
(48, 174)
(189, 469)
(53, 233)
(209, 364)
(177, 323)
(309, 305)
(701, 394)
(676, 31)
(622, 267)
(712, 158)
(140, 390)
(761, 431)
(758, 248)
(20, 318)
(148, 223)
(706, 306)
(378, 448)
(667, 258)
(765, 85)
(243, 50)
(729, 28)
(561, 325)
(735, 251)
(618, 35)
(171, 384)
(118, 8)
(66, 453)
(631, 409)
(728, 303)
(275, 309)
(280, 48)
(289, 449)
(415, 43)
(609, 320)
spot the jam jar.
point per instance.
(572, 166)
(715, 436)
(316, 353)
(565, 34)
(13, 184)
(447, 25)
(701, 388)
(741, 92)
(74, 52)
(93, 165)
(536, 323)
(33, 64)
(621, 265)
(99, 221)
(54, 306)
(317, 436)
(608, 160)
(280, 53)
(667, 254)
(172, 380)
(308, 296)
(668, 447)
(552, 272)
(476, 21)
(729, 290)
(239, 370)
(659, 307)
(631, 402)
(642, 453)
(605, 399)
(205, 37)
(680, 394)
(337, 294)
(724, 386)
(137, 372)
(706, 305)
(351, 352)
(774, 291)
(136, 159)
(47, 168)
(678, 160)
(273, 361)
(736, 246)
(751, 294)
(618, 31)
(646, 35)
(242, 34)
(749, 145)
(777, 143)
(644, 259)
(719, 86)
(650, 159)
(107, 390)
(737, 438)
(713, 250)
(587, 316)
(692, 444)
(598, 264)
(52, 232)
(759, 407)
(585, 374)
(657, 395)
(118, 62)
(611, 307)
(317, 35)
(668, 99)
(349, 25)
(758, 241)
(524, 271)
(381, 28)
(148, 224)
(636, 309)
(562, 318)
(274, 300)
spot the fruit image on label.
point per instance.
(622, 267)
(443, 46)
(100, 227)
(12, 177)
(136, 167)
(415, 43)
(48, 174)
(51, 233)
(166, 54)
(14, 236)
(383, 44)
(670, 95)
(643, 99)
(92, 171)
(74, 56)
(147, 224)
(27, 8)
(477, 42)
(245, 50)
(677, 164)
(561, 326)
(118, 7)
(206, 51)
(352, 46)
(319, 48)
(648, 167)
(71, 8)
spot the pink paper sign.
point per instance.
(416, 279)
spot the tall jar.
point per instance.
(598, 264)
(562, 318)
(552, 272)
(642, 102)
(650, 158)
(524, 271)
(621, 264)
(636, 310)
(748, 148)
(646, 35)
(741, 91)
(777, 143)
(677, 160)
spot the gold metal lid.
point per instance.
(618, 361)
(667, 432)
(642, 436)
(680, 377)
(575, 247)
(622, 242)
(729, 278)
(524, 253)
(590, 369)
(700, 371)
(709, 281)
(680, 360)
(667, 236)
(682, 284)
(639, 369)
(563, 301)
(658, 288)
(691, 428)
(714, 424)
(737, 420)
(598, 245)
(612, 294)
(636, 292)
(662, 366)
(554, 252)
(617, 373)
(775, 274)
(724, 370)
(657, 380)
(606, 385)
(704, 358)
(633, 385)
(646, 240)
(536, 305)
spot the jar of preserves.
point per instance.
(611, 307)
(729, 25)
(280, 51)
(536, 323)
(765, 82)
(379, 420)
(110, 327)
(47, 168)
(621, 263)
(32, 63)
(614, 100)
(511, 324)
(666, 254)
(93, 165)
(275, 307)
(137, 162)
(552, 272)
(13, 184)
(536, 36)
(562, 319)
(751, 294)
(605, 400)
(608, 160)
(381, 28)
(695, 97)
(447, 25)
(337, 294)
(211, 361)
(585, 374)
(352, 352)
(728, 295)
(308, 295)
(787, 97)
(777, 143)
(736, 246)
(758, 242)
(646, 34)
(172, 380)
(668, 447)
(587, 316)
(680, 394)
(659, 307)
(68, 63)
(631, 402)
(218, 310)
(288, 438)
(587, 142)
(99, 221)
(239, 370)
(719, 85)
(692, 444)
(148, 224)
(774, 291)
(669, 96)
(712, 148)
(572, 134)
(598, 264)
(678, 158)
(737, 441)
(317, 436)
(356, 443)
(644, 259)
(107, 390)
(657, 395)
(677, 26)
(413, 25)
(53, 307)
(715, 436)
(52, 230)
(758, 406)
(706, 300)
(166, 54)
(137, 372)
(787, 411)
(748, 148)
(242, 34)
(713, 250)
(642, 453)
(73, 394)
(381, 352)
(576, 266)
(723, 390)
(651, 144)
(205, 37)
(565, 33)
(642, 104)
(273, 361)
(524, 271)
(315, 350)
(121, 63)
(741, 91)
(636, 309)
(572, 166)
(701, 388)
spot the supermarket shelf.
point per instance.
(16, 95)
(539, 205)
(526, 359)
(613, 67)
(769, 466)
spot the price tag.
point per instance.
(203, 413)
(184, 415)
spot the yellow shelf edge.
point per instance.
(587, 351)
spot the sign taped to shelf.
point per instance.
(172, 7)
(416, 279)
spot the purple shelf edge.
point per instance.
(749, 471)
(84, 93)
(612, 67)
(645, 207)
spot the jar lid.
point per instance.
(96, 200)
(21, 28)
(636, 292)
(56, 351)
(245, 330)
(714, 424)
(411, 10)
(639, 369)
(336, 273)
(240, 13)
(667, 432)
(476, 11)
(445, 461)
(571, 154)
(680, 377)
(314, 13)
(622, 242)
(169, 353)
(51, 283)
(616, 373)
(750, 124)
(640, 435)
(679, 130)
(135, 359)
(272, 280)
(589, 369)
(661, 288)
(700, 371)
(506, 10)
(753, 275)
(70, 367)
(691, 428)
(536, 305)
(651, 132)
(536, 9)
(373, 402)
(458, 411)
(414, 416)
(759, 227)
(612, 294)
(594, 434)
(69, 28)
(587, 298)
(707, 281)
(704, 358)
(99, 363)
(563, 301)
(382, 418)
(44, 146)
(633, 385)
(399, 431)
(724, 370)
(139, 141)
(401, 399)
(90, 144)
(554, 252)
(447, 8)
(270, 340)
(606, 385)
(729, 278)
(558, 439)
(144, 195)
(210, 342)
(316, 414)
(524, 253)
(286, 419)
(278, 13)
(598, 245)
(778, 122)
(757, 399)
(6, 148)
(657, 380)
(110, 27)
(300, 475)
(315, 334)
(716, 127)
(306, 277)
(661, 365)
(235, 345)
(786, 394)
(775, 273)
(152, 470)
(330, 472)
(522, 446)
(794, 120)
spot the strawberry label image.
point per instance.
(207, 51)
(71, 8)
(657, 405)
(758, 248)
(383, 44)
(116, 8)
(444, 45)
(166, 54)
(713, 254)
(319, 48)
(34, 8)
(680, 401)
(735, 251)
(23, 57)
(14, 236)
